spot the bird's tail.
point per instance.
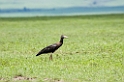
(37, 54)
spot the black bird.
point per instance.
(52, 48)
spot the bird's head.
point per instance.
(62, 36)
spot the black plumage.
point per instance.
(52, 48)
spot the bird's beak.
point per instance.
(65, 37)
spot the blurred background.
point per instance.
(24, 8)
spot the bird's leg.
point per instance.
(51, 58)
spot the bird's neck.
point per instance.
(61, 40)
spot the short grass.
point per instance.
(94, 51)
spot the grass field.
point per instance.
(94, 51)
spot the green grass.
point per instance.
(94, 51)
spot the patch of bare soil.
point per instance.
(2, 79)
(53, 80)
(20, 77)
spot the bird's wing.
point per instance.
(51, 48)
(48, 49)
